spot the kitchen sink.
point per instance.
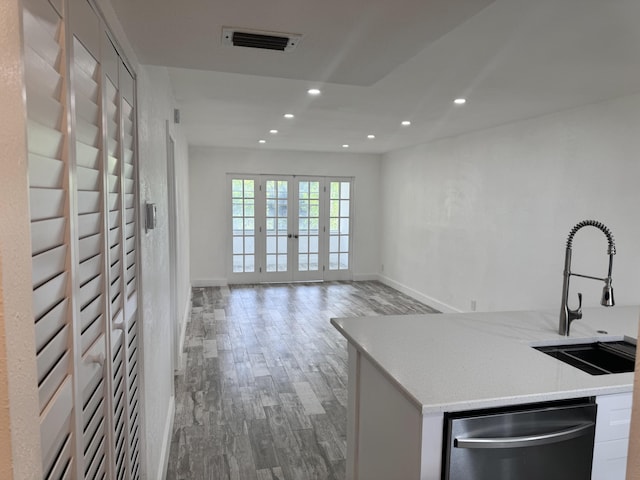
(596, 358)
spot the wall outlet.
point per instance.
(473, 305)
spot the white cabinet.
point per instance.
(612, 437)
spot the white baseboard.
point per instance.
(209, 282)
(166, 440)
(426, 299)
(365, 277)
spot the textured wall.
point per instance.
(19, 425)
(155, 105)
(485, 216)
(208, 190)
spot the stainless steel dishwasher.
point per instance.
(551, 441)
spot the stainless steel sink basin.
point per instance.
(597, 358)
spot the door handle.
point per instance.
(526, 441)
(295, 236)
(290, 235)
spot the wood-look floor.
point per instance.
(263, 393)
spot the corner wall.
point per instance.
(485, 216)
(19, 408)
(155, 104)
(208, 168)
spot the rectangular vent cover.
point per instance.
(283, 42)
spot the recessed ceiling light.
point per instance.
(289, 115)
(371, 136)
(406, 123)
(262, 141)
(345, 146)
(313, 91)
(273, 131)
(460, 101)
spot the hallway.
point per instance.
(263, 393)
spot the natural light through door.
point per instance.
(290, 228)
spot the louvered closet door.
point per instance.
(48, 172)
(113, 152)
(92, 289)
(130, 250)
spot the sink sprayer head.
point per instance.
(607, 294)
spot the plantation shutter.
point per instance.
(45, 71)
(129, 156)
(90, 232)
(83, 200)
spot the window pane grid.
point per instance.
(339, 225)
(308, 226)
(243, 225)
(277, 225)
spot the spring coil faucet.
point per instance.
(566, 314)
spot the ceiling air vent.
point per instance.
(284, 42)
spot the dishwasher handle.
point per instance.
(526, 441)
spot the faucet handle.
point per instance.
(577, 313)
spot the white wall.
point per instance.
(156, 103)
(485, 216)
(208, 190)
(19, 408)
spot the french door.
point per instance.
(290, 228)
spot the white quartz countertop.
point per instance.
(455, 362)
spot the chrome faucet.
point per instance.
(566, 314)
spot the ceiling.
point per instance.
(379, 62)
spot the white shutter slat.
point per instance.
(90, 312)
(87, 156)
(114, 201)
(44, 77)
(87, 133)
(87, 110)
(45, 172)
(88, 202)
(50, 384)
(43, 140)
(114, 185)
(114, 235)
(46, 203)
(52, 352)
(114, 271)
(51, 323)
(62, 467)
(90, 268)
(88, 178)
(91, 333)
(48, 265)
(86, 85)
(45, 108)
(49, 295)
(42, 25)
(47, 234)
(129, 198)
(89, 247)
(89, 291)
(89, 224)
(55, 425)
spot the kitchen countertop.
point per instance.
(456, 362)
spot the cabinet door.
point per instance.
(612, 437)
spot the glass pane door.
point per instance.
(340, 195)
(277, 265)
(243, 228)
(289, 228)
(308, 237)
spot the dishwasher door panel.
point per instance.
(549, 443)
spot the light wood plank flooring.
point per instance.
(263, 393)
